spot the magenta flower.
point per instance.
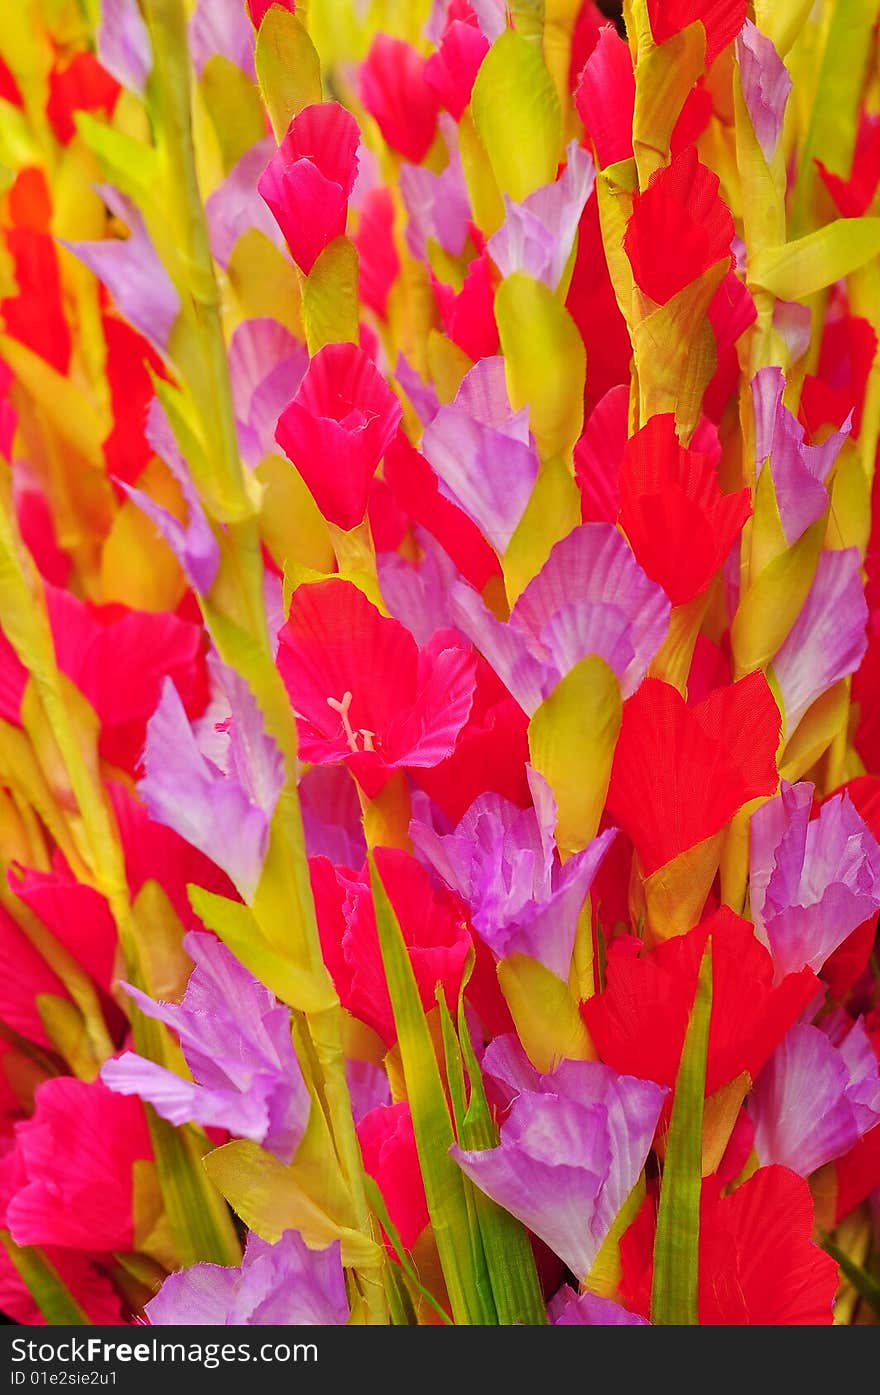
(337, 428)
(308, 181)
(799, 471)
(765, 85)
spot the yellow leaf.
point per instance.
(554, 508)
(672, 661)
(571, 743)
(665, 76)
(782, 20)
(606, 1272)
(849, 517)
(674, 348)
(720, 1113)
(815, 731)
(68, 1034)
(485, 196)
(544, 360)
(773, 602)
(544, 1012)
(675, 893)
(291, 524)
(138, 567)
(233, 105)
(265, 283)
(446, 364)
(68, 410)
(800, 268)
(387, 815)
(288, 67)
(517, 115)
(270, 1198)
(330, 296)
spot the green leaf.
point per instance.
(798, 269)
(377, 1201)
(864, 1283)
(44, 1284)
(443, 1179)
(677, 1243)
(288, 68)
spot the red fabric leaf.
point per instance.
(679, 227)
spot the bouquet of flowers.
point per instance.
(440, 662)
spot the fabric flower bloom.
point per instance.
(605, 97)
(679, 227)
(503, 862)
(798, 470)
(308, 181)
(570, 1309)
(285, 1284)
(337, 428)
(721, 20)
(433, 924)
(680, 773)
(78, 1153)
(679, 524)
(388, 1145)
(815, 1099)
(765, 84)
(811, 881)
(395, 91)
(483, 453)
(361, 688)
(236, 1041)
(223, 810)
(571, 1149)
(537, 235)
(590, 597)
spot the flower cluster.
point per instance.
(439, 663)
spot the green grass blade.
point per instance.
(377, 1201)
(44, 1284)
(865, 1285)
(443, 1178)
(676, 1246)
(510, 1259)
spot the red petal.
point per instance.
(679, 227)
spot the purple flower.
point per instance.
(332, 816)
(132, 272)
(483, 453)
(569, 1309)
(266, 366)
(236, 1041)
(222, 808)
(124, 48)
(503, 861)
(571, 1150)
(222, 27)
(437, 205)
(422, 395)
(590, 597)
(765, 85)
(815, 1098)
(193, 543)
(285, 1284)
(799, 471)
(829, 638)
(417, 593)
(235, 207)
(812, 882)
(537, 235)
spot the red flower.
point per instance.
(257, 9)
(849, 346)
(26, 978)
(605, 97)
(721, 19)
(308, 181)
(337, 428)
(80, 85)
(451, 72)
(35, 317)
(417, 490)
(592, 304)
(679, 227)
(598, 454)
(395, 91)
(680, 773)
(117, 657)
(78, 1154)
(468, 315)
(491, 753)
(638, 1022)
(731, 311)
(758, 1264)
(37, 528)
(130, 362)
(679, 524)
(362, 689)
(433, 924)
(77, 915)
(378, 262)
(388, 1145)
(854, 196)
